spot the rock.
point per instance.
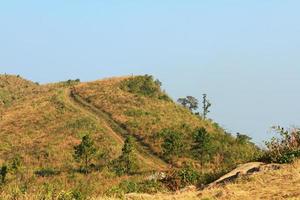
(244, 170)
(157, 176)
(241, 170)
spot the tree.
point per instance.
(189, 102)
(85, 152)
(183, 102)
(127, 162)
(243, 139)
(172, 144)
(206, 106)
(202, 145)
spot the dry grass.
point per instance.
(41, 124)
(142, 116)
(279, 184)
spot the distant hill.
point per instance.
(41, 124)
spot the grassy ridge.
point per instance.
(144, 110)
(141, 115)
(42, 123)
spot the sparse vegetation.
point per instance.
(41, 125)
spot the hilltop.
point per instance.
(41, 124)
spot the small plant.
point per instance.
(16, 164)
(85, 152)
(3, 174)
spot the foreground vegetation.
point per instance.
(275, 184)
(73, 140)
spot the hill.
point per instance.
(41, 124)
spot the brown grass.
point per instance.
(279, 184)
(142, 116)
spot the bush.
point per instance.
(47, 172)
(180, 178)
(3, 173)
(144, 85)
(284, 149)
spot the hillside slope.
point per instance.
(41, 124)
(274, 184)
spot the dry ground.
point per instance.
(278, 184)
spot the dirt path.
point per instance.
(116, 132)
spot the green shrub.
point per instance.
(3, 174)
(145, 86)
(47, 172)
(180, 178)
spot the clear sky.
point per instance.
(244, 54)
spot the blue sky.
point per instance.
(243, 54)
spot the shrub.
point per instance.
(47, 172)
(284, 149)
(3, 174)
(16, 164)
(144, 85)
(180, 178)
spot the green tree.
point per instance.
(189, 102)
(202, 147)
(85, 152)
(243, 139)
(206, 106)
(173, 144)
(127, 162)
